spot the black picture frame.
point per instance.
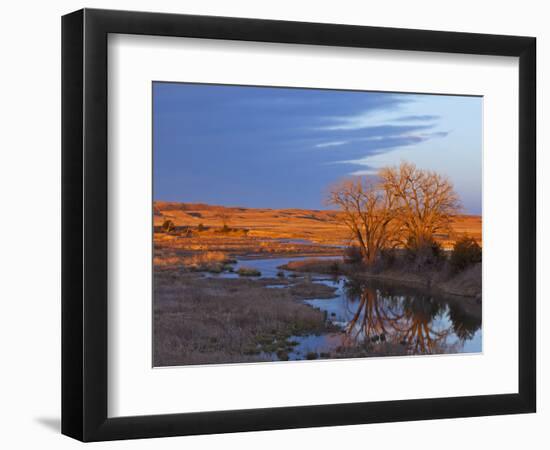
(84, 224)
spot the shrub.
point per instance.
(388, 257)
(248, 272)
(201, 227)
(466, 252)
(437, 252)
(424, 255)
(168, 226)
(352, 255)
(282, 355)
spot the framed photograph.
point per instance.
(273, 224)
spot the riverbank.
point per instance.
(466, 283)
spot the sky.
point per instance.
(264, 147)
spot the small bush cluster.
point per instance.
(248, 272)
(428, 254)
(388, 257)
(466, 252)
(229, 230)
(168, 226)
(352, 255)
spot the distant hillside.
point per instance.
(316, 225)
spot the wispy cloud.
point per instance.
(369, 133)
(372, 119)
(360, 173)
(375, 144)
(331, 144)
(384, 144)
(418, 118)
(354, 122)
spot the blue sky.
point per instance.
(282, 148)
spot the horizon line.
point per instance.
(274, 209)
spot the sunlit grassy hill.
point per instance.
(321, 226)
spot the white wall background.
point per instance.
(30, 229)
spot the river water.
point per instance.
(373, 314)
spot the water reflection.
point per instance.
(412, 322)
(379, 319)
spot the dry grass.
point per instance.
(173, 258)
(206, 261)
(206, 321)
(168, 261)
(319, 226)
(239, 245)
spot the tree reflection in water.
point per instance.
(417, 322)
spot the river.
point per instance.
(364, 312)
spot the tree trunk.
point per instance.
(369, 258)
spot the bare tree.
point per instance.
(425, 201)
(225, 217)
(367, 210)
